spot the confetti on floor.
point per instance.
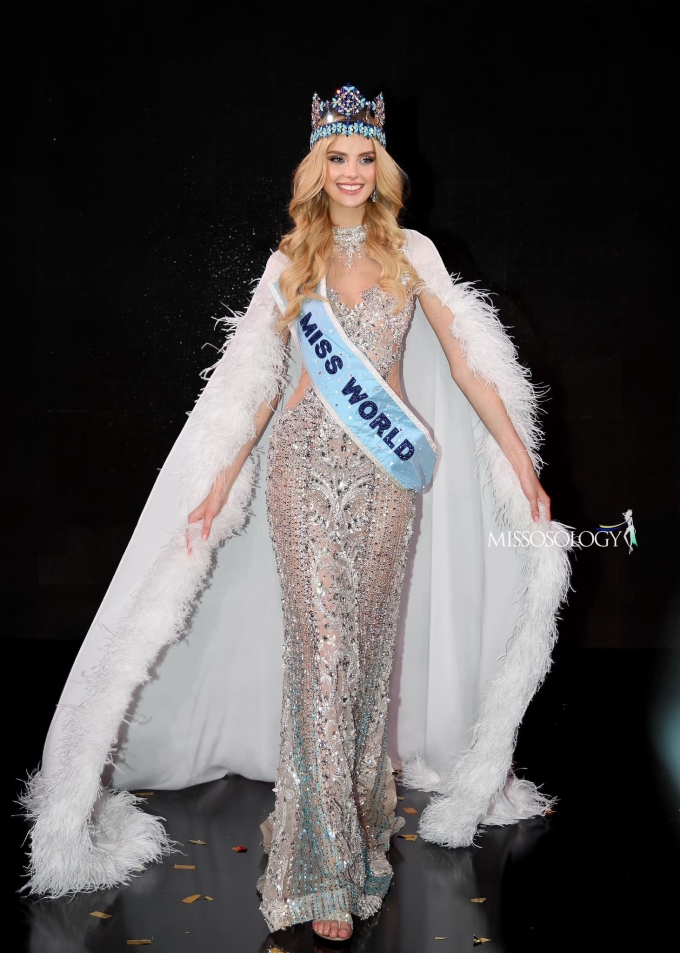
(440, 938)
(185, 866)
(239, 849)
(400, 798)
(138, 942)
(208, 898)
(410, 810)
(194, 896)
(478, 900)
(201, 842)
(144, 794)
(408, 836)
(102, 916)
(476, 940)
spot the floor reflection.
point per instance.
(430, 896)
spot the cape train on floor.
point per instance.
(179, 678)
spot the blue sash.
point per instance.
(359, 399)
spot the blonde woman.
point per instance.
(351, 470)
(341, 526)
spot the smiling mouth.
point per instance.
(351, 189)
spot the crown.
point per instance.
(348, 113)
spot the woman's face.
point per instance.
(350, 171)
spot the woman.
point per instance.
(347, 464)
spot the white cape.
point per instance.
(179, 678)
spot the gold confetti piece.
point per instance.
(201, 842)
(102, 916)
(138, 942)
(239, 849)
(144, 794)
(185, 866)
(400, 798)
(208, 898)
(440, 938)
(408, 836)
(478, 900)
(194, 896)
(476, 940)
(410, 810)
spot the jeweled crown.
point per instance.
(348, 113)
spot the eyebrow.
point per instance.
(338, 152)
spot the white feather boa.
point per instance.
(86, 836)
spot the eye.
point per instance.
(368, 160)
(336, 159)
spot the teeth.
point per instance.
(350, 188)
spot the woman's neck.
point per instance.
(342, 217)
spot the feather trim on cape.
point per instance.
(87, 836)
(481, 787)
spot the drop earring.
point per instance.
(374, 194)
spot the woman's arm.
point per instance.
(215, 500)
(218, 496)
(487, 404)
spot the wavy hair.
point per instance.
(308, 245)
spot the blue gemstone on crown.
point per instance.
(348, 101)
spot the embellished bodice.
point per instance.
(373, 327)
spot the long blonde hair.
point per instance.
(309, 244)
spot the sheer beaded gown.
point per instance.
(341, 529)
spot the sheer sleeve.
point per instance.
(250, 372)
(485, 344)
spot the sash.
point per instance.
(355, 394)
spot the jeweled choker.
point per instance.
(348, 241)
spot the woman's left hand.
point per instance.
(532, 489)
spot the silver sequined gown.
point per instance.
(341, 530)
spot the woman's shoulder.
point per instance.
(416, 240)
(420, 249)
(276, 264)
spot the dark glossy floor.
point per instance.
(600, 874)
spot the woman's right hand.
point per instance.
(208, 510)
(215, 500)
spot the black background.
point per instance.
(150, 161)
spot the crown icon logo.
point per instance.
(348, 113)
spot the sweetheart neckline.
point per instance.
(357, 307)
